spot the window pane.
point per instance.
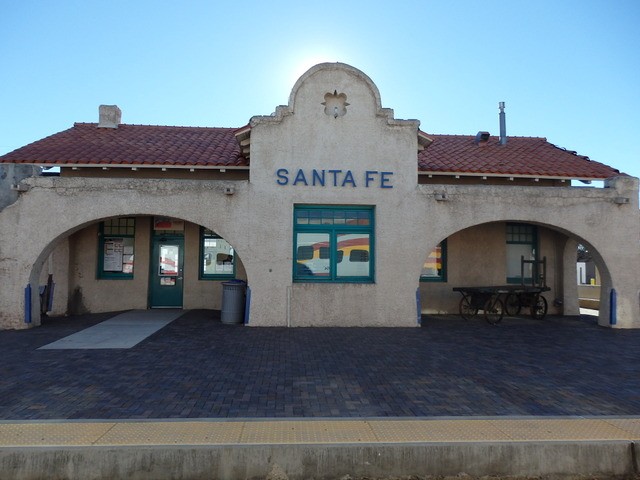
(432, 268)
(315, 217)
(169, 260)
(118, 255)
(363, 218)
(520, 233)
(355, 249)
(302, 217)
(351, 217)
(119, 226)
(308, 258)
(514, 260)
(218, 256)
(327, 217)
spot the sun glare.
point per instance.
(299, 64)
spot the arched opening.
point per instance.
(135, 262)
(589, 280)
(508, 254)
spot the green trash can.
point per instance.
(233, 300)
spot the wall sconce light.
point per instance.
(229, 190)
(620, 200)
(440, 197)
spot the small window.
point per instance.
(435, 267)
(116, 248)
(218, 260)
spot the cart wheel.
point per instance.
(493, 311)
(539, 308)
(466, 310)
(512, 305)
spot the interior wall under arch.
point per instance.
(476, 256)
(73, 263)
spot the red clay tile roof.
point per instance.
(521, 156)
(134, 145)
(196, 147)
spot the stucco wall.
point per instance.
(58, 266)
(617, 254)
(10, 175)
(303, 136)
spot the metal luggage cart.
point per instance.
(495, 301)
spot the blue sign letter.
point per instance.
(369, 177)
(317, 176)
(348, 178)
(384, 179)
(300, 178)
(283, 179)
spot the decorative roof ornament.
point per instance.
(335, 104)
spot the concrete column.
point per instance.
(571, 305)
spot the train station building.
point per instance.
(333, 212)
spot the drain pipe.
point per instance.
(613, 307)
(503, 124)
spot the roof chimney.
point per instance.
(503, 125)
(109, 116)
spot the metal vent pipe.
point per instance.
(503, 125)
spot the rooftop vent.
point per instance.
(109, 116)
(503, 125)
(481, 137)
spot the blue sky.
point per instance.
(567, 70)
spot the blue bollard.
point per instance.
(27, 304)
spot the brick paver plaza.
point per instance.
(197, 367)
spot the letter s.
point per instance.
(283, 178)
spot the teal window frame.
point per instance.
(332, 221)
(442, 277)
(202, 275)
(115, 228)
(522, 234)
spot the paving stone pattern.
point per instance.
(197, 367)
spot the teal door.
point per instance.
(167, 259)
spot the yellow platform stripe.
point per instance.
(273, 432)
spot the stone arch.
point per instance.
(45, 231)
(565, 276)
(39, 262)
